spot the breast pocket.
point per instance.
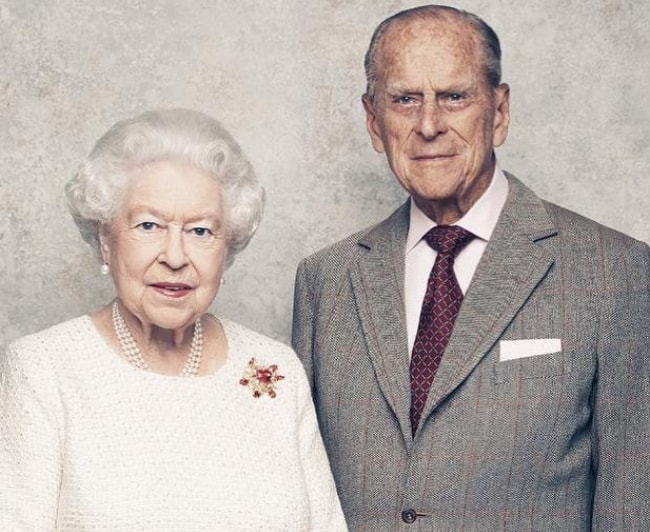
(522, 366)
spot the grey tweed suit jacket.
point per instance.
(558, 441)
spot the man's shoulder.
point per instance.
(352, 246)
(345, 247)
(573, 226)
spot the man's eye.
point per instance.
(455, 97)
(405, 100)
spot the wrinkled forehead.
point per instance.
(455, 39)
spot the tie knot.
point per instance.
(448, 239)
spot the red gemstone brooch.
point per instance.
(261, 379)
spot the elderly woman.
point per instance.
(152, 414)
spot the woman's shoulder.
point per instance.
(250, 350)
(58, 336)
(249, 343)
(47, 347)
(36, 363)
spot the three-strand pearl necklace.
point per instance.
(132, 353)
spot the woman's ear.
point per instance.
(104, 243)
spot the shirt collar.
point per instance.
(481, 219)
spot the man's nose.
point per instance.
(430, 120)
(173, 251)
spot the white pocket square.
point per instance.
(514, 349)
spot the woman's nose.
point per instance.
(173, 252)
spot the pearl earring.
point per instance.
(104, 269)
(223, 281)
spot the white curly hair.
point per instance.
(179, 135)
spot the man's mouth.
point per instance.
(433, 156)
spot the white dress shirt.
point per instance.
(480, 220)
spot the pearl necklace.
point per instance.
(132, 353)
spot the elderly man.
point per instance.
(479, 360)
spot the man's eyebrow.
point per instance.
(399, 88)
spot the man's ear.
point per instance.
(372, 124)
(501, 114)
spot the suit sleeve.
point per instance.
(30, 443)
(303, 324)
(621, 421)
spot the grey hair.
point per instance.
(178, 135)
(487, 37)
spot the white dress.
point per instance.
(88, 442)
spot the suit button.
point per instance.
(409, 516)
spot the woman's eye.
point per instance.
(147, 226)
(200, 231)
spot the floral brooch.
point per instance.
(261, 379)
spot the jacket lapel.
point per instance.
(378, 285)
(512, 265)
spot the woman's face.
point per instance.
(166, 246)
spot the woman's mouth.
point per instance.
(172, 289)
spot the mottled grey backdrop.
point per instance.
(285, 77)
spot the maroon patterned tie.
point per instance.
(439, 310)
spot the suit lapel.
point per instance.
(512, 266)
(378, 284)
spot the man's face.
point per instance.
(435, 116)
